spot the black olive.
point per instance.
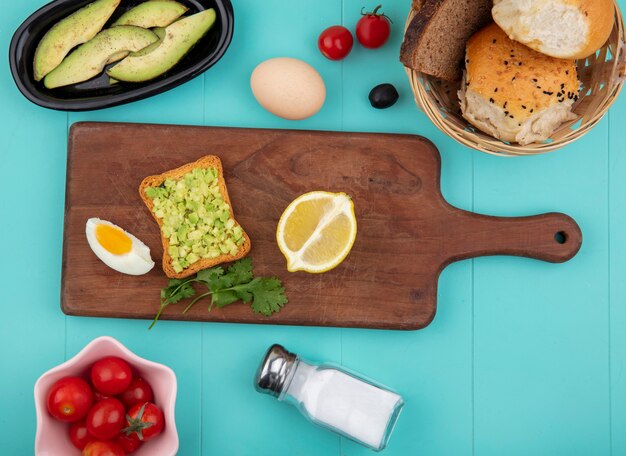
(383, 96)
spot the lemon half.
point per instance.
(317, 231)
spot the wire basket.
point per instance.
(601, 75)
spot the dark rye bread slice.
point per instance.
(434, 42)
(416, 4)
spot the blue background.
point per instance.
(522, 358)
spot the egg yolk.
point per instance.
(113, 239)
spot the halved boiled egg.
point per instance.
(117, 248)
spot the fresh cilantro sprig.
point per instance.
(266, 295)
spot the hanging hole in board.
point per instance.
(560, 237)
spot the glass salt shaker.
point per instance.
(331, 396)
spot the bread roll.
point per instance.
(567, 29)
(514, 93)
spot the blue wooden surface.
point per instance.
(522, 358)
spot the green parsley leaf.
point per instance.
(176, 290)
(269, 296)
(224, 298)
(211, 277)
(240, 272)
(266, 295)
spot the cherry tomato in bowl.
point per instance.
(103, 448)
(97, 396)
(69, 399)
(373, 29)
(335, 43)
(145, 420)
(79, 435)
(106, 419)
(138, 392)
(53, 436)
(111, 375)
(129, 443)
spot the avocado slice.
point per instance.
(154, 13)
(77, 28)
(179, 38)
(106, 47)
(158, 31)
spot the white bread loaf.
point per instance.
(567, 29)
(514, 93)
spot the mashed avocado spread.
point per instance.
(196, 219)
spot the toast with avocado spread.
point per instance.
(197, 223)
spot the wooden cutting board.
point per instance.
(407, 232)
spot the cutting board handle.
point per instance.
(552, 237)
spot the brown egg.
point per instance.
(288, 88)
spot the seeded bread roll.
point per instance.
(567, 29)
(514, 93)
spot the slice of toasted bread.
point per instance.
(209, 161)
(434, 42)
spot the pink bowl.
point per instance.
(52, 437)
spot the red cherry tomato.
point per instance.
(138, 392)
(335, 43)
(373, 29)
(145, 420)
(99, 448)
(79, 435)
(106, 419)
(129, 443)
(69, 399)
(111, 375)
(97, 396)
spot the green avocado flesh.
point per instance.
(116, 57)
(197, 221)
(77, 28)
(154, 13)
(158, 31)
(179, 38)
(89, 60)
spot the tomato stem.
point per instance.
(136, 425)
(375, 13)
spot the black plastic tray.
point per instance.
(97, 93)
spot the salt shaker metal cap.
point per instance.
(274, 370)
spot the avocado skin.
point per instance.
(179, 38)
(106, 47)
(77, 28)
(154, 13)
